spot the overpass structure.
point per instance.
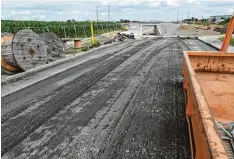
(157, 29)
(138, 28)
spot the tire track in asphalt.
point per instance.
(101, 120)
(19, 127)
(59, 121)
(105, 125)
(129, 140)
(12, 104)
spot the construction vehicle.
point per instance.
(209, 94)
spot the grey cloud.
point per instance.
(84, 10)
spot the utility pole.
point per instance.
(109, 13)
(97, 13)
(188, 14)
(177, 16)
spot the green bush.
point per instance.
(96, 44)
(226, 21)
(85, 48)
(231, 41)
(124, 29)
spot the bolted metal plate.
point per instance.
(54, 45)
(29, 49)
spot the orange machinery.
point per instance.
(209, 93)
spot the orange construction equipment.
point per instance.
(228, 35)
(209, 93)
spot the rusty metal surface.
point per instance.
(219, 92)
(54, 45)
(206, 139)
(29, 49)
(212, 61)
(198, 139)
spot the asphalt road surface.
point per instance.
(126, 103)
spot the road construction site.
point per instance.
(123, 100)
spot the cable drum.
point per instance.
(6, 49)
(8, 63)
(6, 37)
(28, 49)
(7, 55)
(54, 45)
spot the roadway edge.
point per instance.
(17, 77)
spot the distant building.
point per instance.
(218, 18)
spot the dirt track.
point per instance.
(127, 103)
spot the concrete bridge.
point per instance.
(141, 28)
(156, 28)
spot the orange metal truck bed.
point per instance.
(219, 93)
(209, 90)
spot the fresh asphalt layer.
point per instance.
(127, 102)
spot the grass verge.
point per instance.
(231, 41)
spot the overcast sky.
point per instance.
(165, 10)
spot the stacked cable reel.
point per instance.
(26, 50)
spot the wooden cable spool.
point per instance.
(54, 45)
(8, 63)
(28, 49)
(22, 52)
(6, 37)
